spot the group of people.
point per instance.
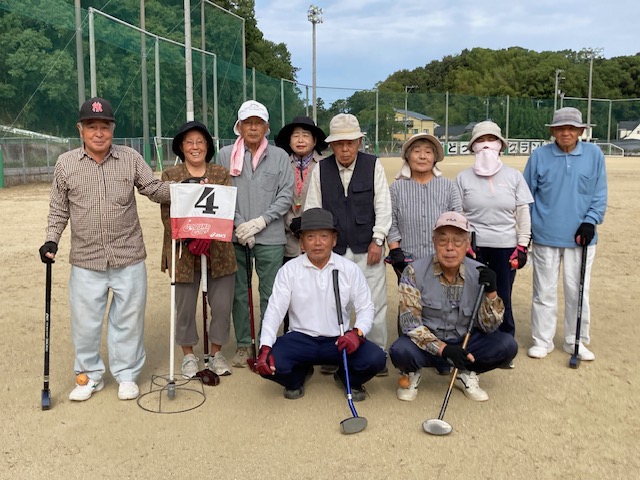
(314, 228)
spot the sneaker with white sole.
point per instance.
(409, 393)
(189, 365)
(539, 352)
(219, 365)
(469, 384)
(584, 353)
(241, 357)
(84, 392)
(128, 391)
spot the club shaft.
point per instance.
(583, 269)
(247, 251)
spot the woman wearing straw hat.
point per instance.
(194, 145)
(418, 197)
(495, 199)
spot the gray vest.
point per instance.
(446, 319)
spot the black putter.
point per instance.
(437, 426)
(46, 393)
(354, 424)
(574, 361)
(208, 376)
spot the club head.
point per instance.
(435, 426)
(46, 399)
(252, 364)
(353, 425)
(574, 361)
(208, 377)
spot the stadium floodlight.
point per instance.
(314, 15)
(556, 90)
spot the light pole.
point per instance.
(406, 100)
(314, 14)
(555, 92)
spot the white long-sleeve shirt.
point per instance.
(306, 292)
(382, 197)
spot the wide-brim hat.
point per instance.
(96, 108)
(567, 116)
(452, 219)
(186, 127)
(487, 128)
(316, 219)
(344, 126)
(406, 146)
(251, 108)
(283, 138)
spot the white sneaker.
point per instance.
(584, 353)
(219, 365)
(539, 352)
(470, 386)
(128, 391)
(84, 392)
(189, 365)
(411, 392)
(240, 359)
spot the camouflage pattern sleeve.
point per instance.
(490, 315)
(410, 313)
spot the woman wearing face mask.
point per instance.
(495, 200)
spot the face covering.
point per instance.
(487, 158)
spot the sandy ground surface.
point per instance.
(543, 420)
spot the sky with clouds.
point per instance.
(362, 42)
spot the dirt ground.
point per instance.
(543, 419)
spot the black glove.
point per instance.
(488, 277)
(456, 356)
(192, 180)
(295, 225)
(585, 233)
(48, 247)
(398, 259)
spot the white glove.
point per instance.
(250, 228)
(250, 242)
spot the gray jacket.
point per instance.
(267, 192)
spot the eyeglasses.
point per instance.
(191, 143)
(443, 241)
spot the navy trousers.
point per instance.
(497, 259)
(490, 350)
(294, 353)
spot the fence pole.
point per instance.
(1, 169)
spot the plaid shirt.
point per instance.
(99, 199)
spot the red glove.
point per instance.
(198, 246)
(518, 258)
(350, 341)
(265, 365)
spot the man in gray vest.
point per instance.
(353, 186)
(436, 300)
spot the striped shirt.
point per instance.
(415, 207)
(99, 199)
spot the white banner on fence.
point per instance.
(202, 211)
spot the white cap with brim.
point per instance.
(251, 108)
(487, 128)
(344, 126)
(452, 219)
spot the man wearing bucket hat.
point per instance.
(568, 181)
(262, 174)
(194, 145)
(437, 297)
(94, 189)
(418, 196)
(314, 333)
(495, 200)
(352, 185)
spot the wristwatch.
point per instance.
(378, 241)
(359, 332)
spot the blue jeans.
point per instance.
(294, 353)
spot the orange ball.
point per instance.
(82, 379)
(404, 381)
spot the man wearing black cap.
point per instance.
(303, 287)
(94, 188)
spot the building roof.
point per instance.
(413, 114)
(454, 130)
(628, 125)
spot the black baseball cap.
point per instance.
(96, 108)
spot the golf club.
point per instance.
(574, 361)
(437, 426)
(171, 384)
(46, 393)
(251, 361)
(354, 424)
(207, 376)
